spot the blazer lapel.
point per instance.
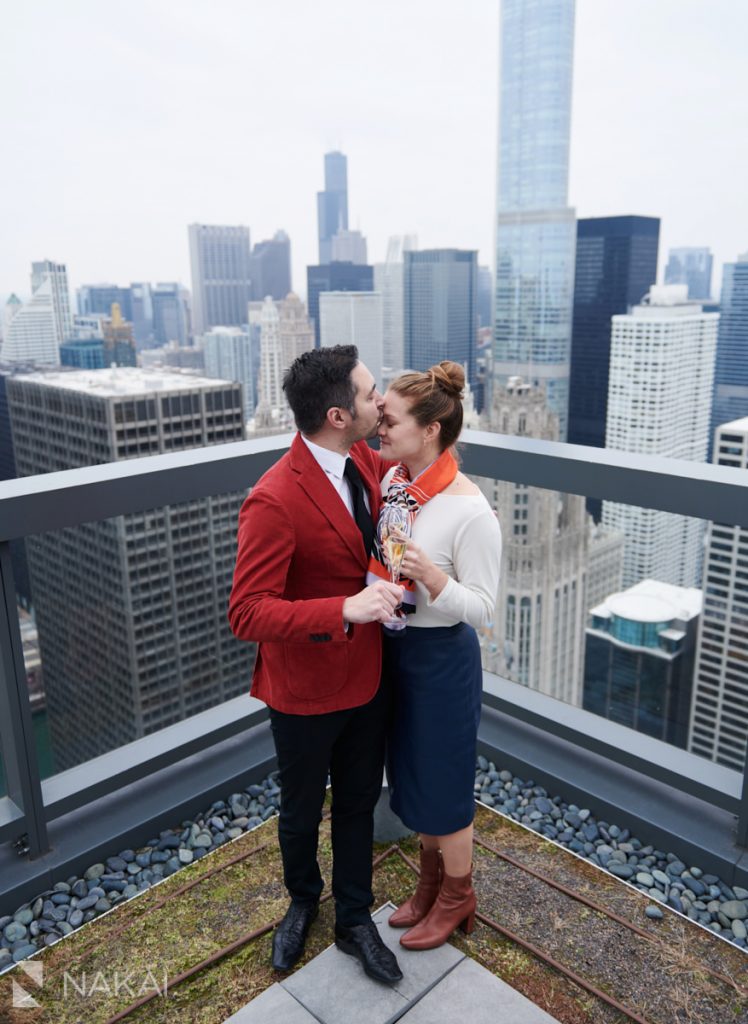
(313, 479)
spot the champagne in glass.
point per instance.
(394, 552)
(393, 520)
(392, 535)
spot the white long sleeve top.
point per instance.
(461, 535)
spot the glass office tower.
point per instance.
(730, 396)
(536, 229)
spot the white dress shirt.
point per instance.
(333, 465)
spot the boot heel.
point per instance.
(468, 924)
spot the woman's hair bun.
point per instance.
(450, 377)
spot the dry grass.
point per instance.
(665, 980)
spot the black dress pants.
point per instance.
(350, 745)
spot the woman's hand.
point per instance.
(417, 566)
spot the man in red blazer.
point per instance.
(305, 532)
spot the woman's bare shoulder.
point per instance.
(461, 485)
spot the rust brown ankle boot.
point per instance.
(419, 904)
(453, 907)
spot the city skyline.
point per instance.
(424, 163)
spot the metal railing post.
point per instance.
(742, 836)
(16, 728)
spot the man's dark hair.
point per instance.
(320, 380)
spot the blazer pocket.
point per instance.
(316, 670)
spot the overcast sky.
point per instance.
(124, 122)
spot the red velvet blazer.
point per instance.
(300, 554)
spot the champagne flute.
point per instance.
(392, 527)
(392, 536)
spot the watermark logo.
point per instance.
(21, 998)
(86, 985)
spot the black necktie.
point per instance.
(360, 513)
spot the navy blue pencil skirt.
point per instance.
(437, 681)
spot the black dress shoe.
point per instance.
(365, 942)
(291, 933)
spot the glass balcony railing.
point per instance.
(126, 666)
(131, 628)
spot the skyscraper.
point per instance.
(221, 288)
(98, 341)
(348, 247)
(57, 275)
(557, 563)
(270, 267)
(141, 309)
(719, 724)
(12, 306)
(693, 267)
(440, 318)
(639, 658)
(99, 298)
(616, 262)
(130, 610)
(485, 297)
(388, 281)
(335, 277)
(659, 403)
(119, 341)
(295, 330)
(535, 230)
(730, 400)
(332, 203)
(272, 397)
(228, 356)
(169, 314)
(354, 318)
(33, 332)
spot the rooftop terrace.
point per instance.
(569, 938)
(208, 927)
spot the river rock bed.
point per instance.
(78, 900)
(56, 912)
(702, 897)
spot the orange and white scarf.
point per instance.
(408, 497)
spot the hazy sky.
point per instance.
(124, 122)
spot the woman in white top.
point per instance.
(450, 570)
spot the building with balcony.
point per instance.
(129, 642)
